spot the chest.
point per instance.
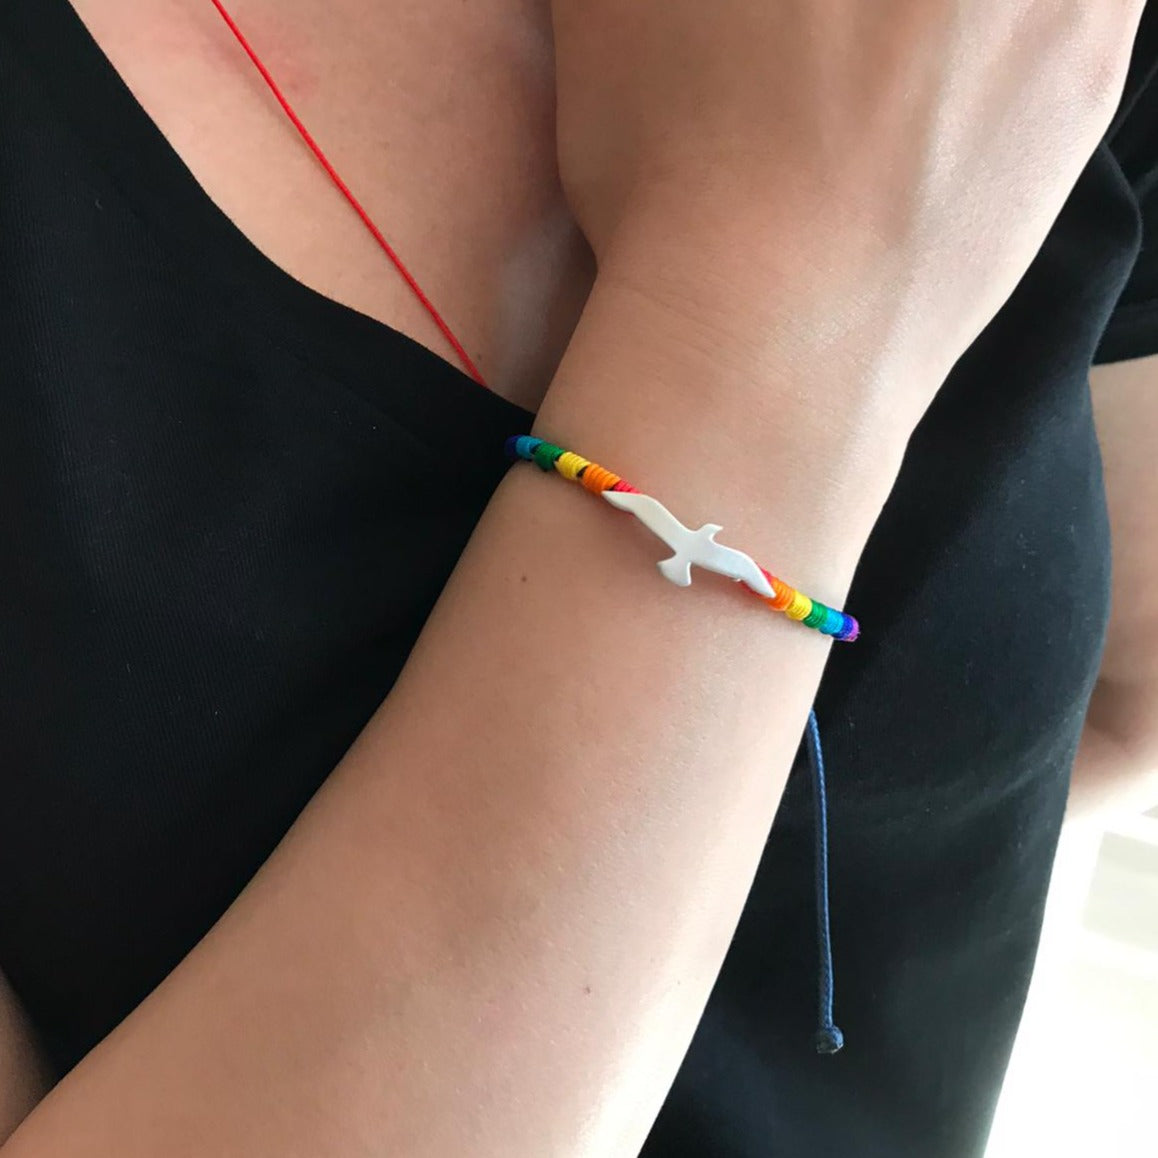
(439, 116)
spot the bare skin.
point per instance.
(440, 99)
(440, 118)
(1117, 766)
(367, 99)
(24, 1074)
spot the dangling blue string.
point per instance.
(828, 1038)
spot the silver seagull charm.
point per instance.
(698, 547)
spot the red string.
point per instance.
(464, 357)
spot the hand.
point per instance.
(895, 163)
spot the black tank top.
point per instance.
(205, 469)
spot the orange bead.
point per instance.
(783, 596)
(598, 479)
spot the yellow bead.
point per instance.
(570, 464)
(799, 608)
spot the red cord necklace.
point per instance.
(324, 161)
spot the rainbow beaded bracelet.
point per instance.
(698, 547)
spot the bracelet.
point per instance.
(698, 547)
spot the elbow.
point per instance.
(1126, 715)
(1117, 765)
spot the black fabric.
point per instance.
(201, 604)
(1133, 138)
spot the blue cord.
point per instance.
(828, 1039)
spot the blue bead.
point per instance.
(833, 622)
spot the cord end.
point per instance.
(828, 1040)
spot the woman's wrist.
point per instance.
(717, 395)
(789, 279)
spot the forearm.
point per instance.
(494, 929)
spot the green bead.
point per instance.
(545, 455)
(816, 616)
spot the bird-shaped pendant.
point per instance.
(697, 547)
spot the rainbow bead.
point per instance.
(591, 476)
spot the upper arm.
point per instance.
(1125, 396)
(24, 1077)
